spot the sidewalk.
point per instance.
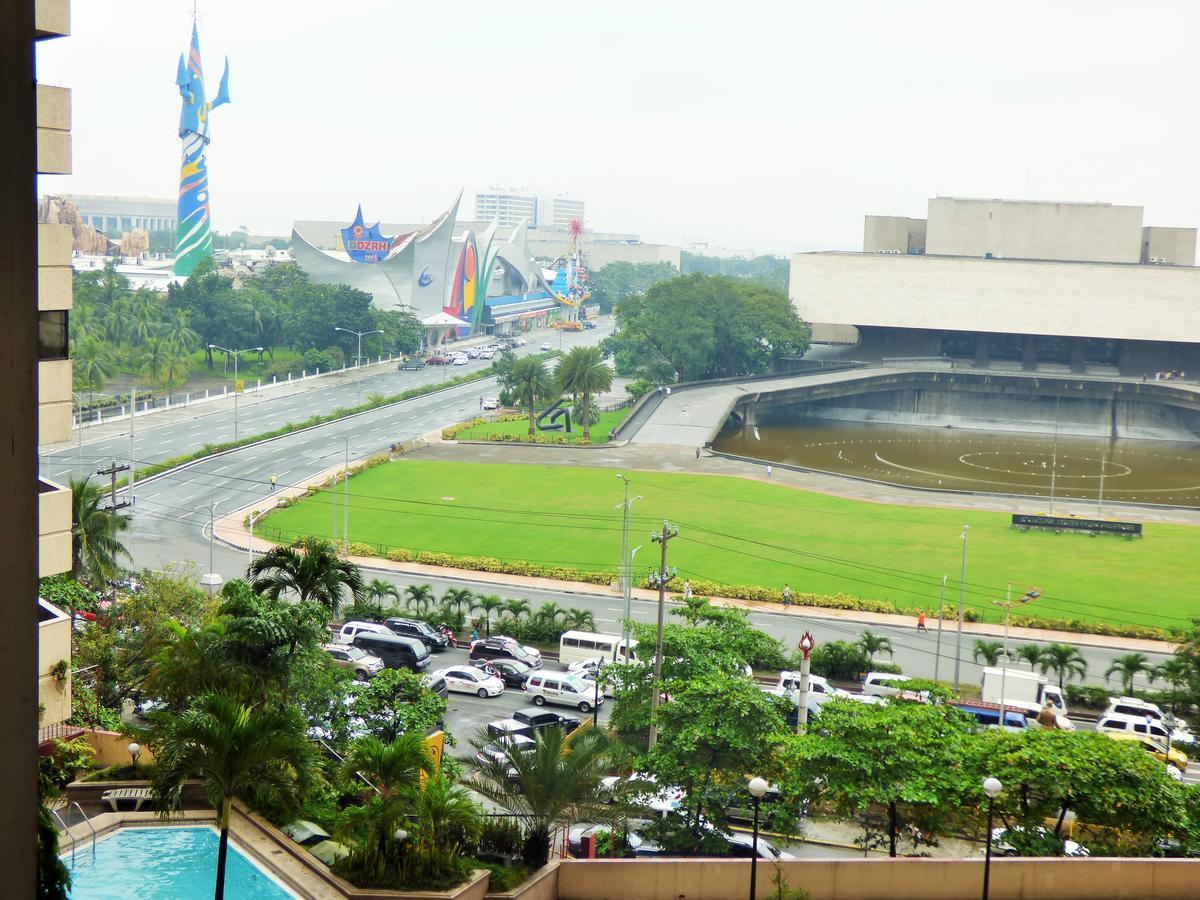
(231, 531)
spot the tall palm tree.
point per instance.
(989, 652)
(96, 547)
(235, 751)
(582, 373)
(458, 599)
(93, 363)
(1030, 653)
(557, 781)
(516, 608)
(530, 382)
(1174, 671)
(488, 604)
(1064, 660)
(394, 772)
(420, 596)
(576, 619)
(444, 817)
(370, 604)
(1128, 666)
(871, 644)
(311, 569)
(154, 362)
(549, 612)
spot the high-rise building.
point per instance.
(510, 206)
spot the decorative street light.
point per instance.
(358, 357)
(236, 354)
(758, 787)
(806, 645)
(992, 787)
(135, 750)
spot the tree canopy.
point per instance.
(613, 283)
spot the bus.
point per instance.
(575, 646)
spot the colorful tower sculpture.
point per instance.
(193, 234)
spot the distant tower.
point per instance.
(193, 237)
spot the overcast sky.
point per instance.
(765, 126)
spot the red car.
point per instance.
(437, 361)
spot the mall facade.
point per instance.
(1012, 284)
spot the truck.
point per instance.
(1027, 689)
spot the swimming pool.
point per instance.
(164, 864)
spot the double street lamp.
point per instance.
(358, 356)
(236, 354)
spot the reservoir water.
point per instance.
(1077, 468)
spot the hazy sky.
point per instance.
(767, 126)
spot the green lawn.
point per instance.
(738, 531)
(520, 429)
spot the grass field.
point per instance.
(520, 429)
(738, 531)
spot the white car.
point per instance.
(1004, 848)
(644, 792)
(491, 402)
(1143, 709)
(520, 342)
(587, 669)
(469, 680)
(460, 361)
(473, 353)
(487, 353)
(545, 346)
(817, 685)
(353, 628)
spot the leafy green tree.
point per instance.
(215, 311)
(1030, 653)
(612, 283)
(310, 569)
(530, 382)
(1173, 671)
(1128, 666)
(1064, 660)
(902, 757)
(93, 363)
(873, 644)
(402, 331)
(583, 373)
(555, 783)
(96, 545)
(419, 596)
(839, 659)
(771, 271)
(488, 604)
(397, 702)
(696, 327)
(989, 652)
(235, 751)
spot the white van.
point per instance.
(1137, 708)
(790, 681)
(575, 646)
(1140, 725)
(563, 688)
(351, 629)
(884, 684)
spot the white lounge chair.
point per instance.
(137, 795)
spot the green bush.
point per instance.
(317, 359)
(839, 660)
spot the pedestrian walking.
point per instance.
(787, 595)
(687, 590)
(481, 403)
(769, 471)
(474, 633)
(697, 453)
(921, 620)
(274, 481)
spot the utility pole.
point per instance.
(962, 587)
(346, 503)
(112, 471)
(937, 653)
(659, 537)
(358, 358)
(626, 562)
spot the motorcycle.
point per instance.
(448, 634)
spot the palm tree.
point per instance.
(549, 613)
(516, 608)
(530, 383)
(488, 604)
(393, 771)
(1064, 660)
(871, 643)
(374, 593)
(154, 363)
(458, 599)
(96, 546)
(557, 781)
(1174, 671)
(235, 751)
(576, 619)
(419, 595)
(445, 817)
(309, 568)
(1030, 653)
(988, 651)
(93, 363)
(582, 373)
(1129, 666)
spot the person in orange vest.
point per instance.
(921, 620)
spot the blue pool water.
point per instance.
(164, 864)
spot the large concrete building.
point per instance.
(1012, 284)
(113, 215)
(510, 206)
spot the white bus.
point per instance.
(575, 646)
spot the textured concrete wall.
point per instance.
(1176, 245)
(893, 234)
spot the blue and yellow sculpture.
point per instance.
(193, 234)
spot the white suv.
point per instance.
(790, 681)
(352, 629)
(564, 689)
(1143, 709)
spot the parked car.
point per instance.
(1006, 841)
(460, 360)
(641, 789)
(347, 632)
(564, 689)
(501, 647)
(1119, 723)
(473, 353)
(395, 651)
(500, 748)
(818, 685)
(512, 672)
(470, 680)
(540, 719)
(415, 364)
(633, 842)
(436, 683)
(487, 353)
(588, 324)
(347, 656)
(437, 361)
(883, 684)
(422, 631)
(503, 728)
(545, 346)
(1143, 709)
(491, 403)
(1154, 747)
(519, 342)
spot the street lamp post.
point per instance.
(254, 517)
(758, 787)
(358, 357)
(236, 354)
(659, 537)
(210, 580)
(962, 576)
(346, 503)
(937, 652)
(596, 698)
(626, 560)
(806, 645)
(992, 787)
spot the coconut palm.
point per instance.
(1174, 671)
(576, 619)
(549, 613)
(374, 593)
(516, 609)
(311, 569)
(871, 644)
(444, 818)
(235, 751)
(530, 383)
(394, 772)
(1030, 653)
(1065, 661)
(96, 547)
(419, 596)
(1128, 667)
(555, 782)
(582, 373)
(458, 599)
(989, 652)
(488, 604)
(93, 363)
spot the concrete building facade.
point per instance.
(510, 206)
(1048, 286)
(113, 215)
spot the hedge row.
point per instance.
(451, 432)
